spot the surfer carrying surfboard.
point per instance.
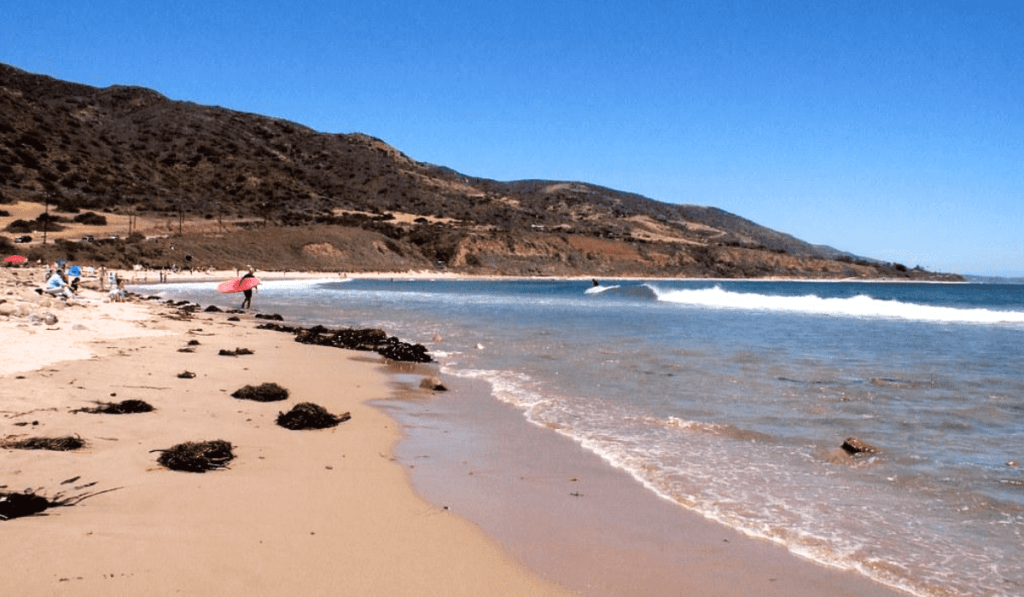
(247, 302)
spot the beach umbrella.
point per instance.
(238, 285)
(15, 259)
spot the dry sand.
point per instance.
(325, 512)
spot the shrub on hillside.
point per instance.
(51, 218)
(68, 205)
(42, 222)
(76, 204)
(49, 226)
(91, 219)
(19, 227)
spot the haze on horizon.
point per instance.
(891, 130)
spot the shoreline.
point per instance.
(296, 512)
(587, 554)
(575, 519)
(802, 573)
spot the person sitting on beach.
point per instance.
(57, 285)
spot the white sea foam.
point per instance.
(507, 386)
(856, 306)
(600, 289)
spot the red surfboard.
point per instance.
(238, 285)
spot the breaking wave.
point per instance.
(856, 306)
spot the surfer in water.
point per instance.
(247, 302)
(596, 283)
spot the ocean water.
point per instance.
(732, 399)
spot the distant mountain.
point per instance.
(130, 150)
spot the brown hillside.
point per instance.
(228, 187)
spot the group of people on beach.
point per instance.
(59, 285)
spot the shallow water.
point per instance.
(733, 398)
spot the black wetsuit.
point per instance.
(247, 292)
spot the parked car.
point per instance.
(88, 239)
(23, 239)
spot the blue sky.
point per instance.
(894, 130)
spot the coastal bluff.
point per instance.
(123, 175)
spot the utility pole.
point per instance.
(46, 220)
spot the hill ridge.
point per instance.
(126, 149)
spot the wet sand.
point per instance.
(567, 514)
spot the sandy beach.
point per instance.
(322, 512)
(315, 512)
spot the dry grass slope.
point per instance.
(205, 186)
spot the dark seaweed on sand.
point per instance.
(372, 339)
(197, 457)
(306, 415)
(236, 352)
(16, 505)
(266, 392)
(58, 444)
(125, 407)
(28, 503)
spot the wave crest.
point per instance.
(855, 306)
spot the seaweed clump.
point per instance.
(28, 503)
(125, 407)
(197, 457)
(16, 505)
(266, 392)
(57, 444)
(369, 339)
(306, 415)
(234, 353)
